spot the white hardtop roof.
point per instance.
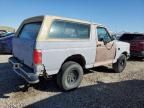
(74, 19)
(65, 18)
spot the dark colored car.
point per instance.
(136, 43)
(2, 32)
(6, 43)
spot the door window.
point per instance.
(103, 34)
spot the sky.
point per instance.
(117, 15)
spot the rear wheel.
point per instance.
(120, 65)
(70, 76)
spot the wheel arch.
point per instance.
(125, 53)
(78, 58)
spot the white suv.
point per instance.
(49, 45)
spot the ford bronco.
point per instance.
(51, 45)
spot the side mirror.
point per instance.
(114, 37)
(106, 40)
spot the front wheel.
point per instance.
(70, 76)
(120, 65)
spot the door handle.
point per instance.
(98, 45)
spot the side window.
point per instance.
(69, 30)
(57, 30)
(103, 34)
(83, 31)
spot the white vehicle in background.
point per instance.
(50, 45)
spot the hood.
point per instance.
(123, 43)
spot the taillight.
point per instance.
(37, 57)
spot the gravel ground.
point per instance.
(100, 88)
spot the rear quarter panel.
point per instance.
(54, 53)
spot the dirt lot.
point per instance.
(100, 88)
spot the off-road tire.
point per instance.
(120, 65)
(70, 71)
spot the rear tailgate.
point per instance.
(23, 50)
(24, 44)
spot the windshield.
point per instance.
(30, 31)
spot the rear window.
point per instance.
(69, 30)
(30, 30)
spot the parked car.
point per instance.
(6, 43)
(136, 43)
(2, 32)
(49, 45)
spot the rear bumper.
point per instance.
(137, 54)
(25, 72)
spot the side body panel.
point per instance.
(105, 54)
